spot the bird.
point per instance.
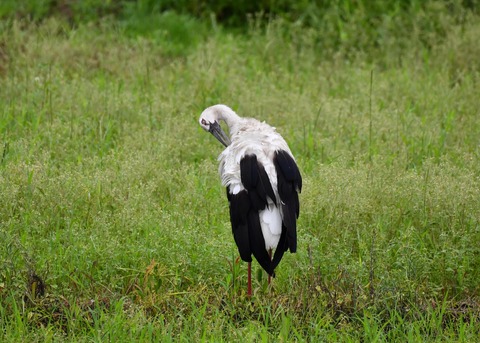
(262, 183)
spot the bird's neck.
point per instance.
(232, 120)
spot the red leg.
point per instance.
(270, 255)
(249, 290)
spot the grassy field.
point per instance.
(113, 222)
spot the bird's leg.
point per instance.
(249, 289)
(270, 255)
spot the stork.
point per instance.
(263, 183)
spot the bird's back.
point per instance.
(251, 137)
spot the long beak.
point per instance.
(216, 130)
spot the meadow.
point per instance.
(114, 225)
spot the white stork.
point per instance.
(262, 181)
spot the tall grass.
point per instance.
(114, 224)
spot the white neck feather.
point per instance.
(225, 113)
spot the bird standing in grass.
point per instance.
(263, 183)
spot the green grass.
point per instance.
(113, 222)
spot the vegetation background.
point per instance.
(114, 225)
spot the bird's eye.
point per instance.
(204, 122)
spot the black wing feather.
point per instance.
(289, 185)
(264, 184)
(255, 179)
(281, 248)
(244, 208)
(257, 242)
(239, 209)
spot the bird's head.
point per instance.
(209, 121)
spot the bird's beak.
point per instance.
(216, 130)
